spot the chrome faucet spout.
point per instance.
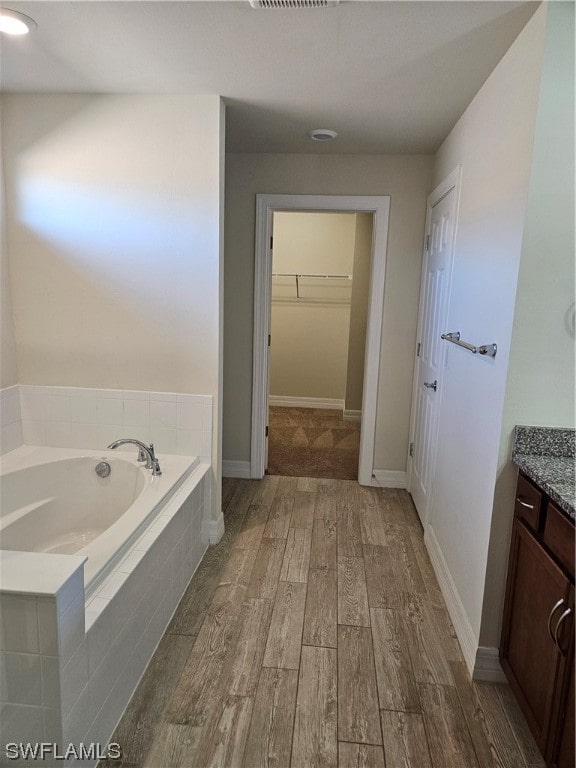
(145, 453)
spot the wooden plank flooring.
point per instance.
(314, 635)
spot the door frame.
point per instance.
(452, 181)
(266, 205)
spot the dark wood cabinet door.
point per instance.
(530, 658)
(566, 747)
(565, 742)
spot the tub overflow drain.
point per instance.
(103, 469)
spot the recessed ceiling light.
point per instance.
(322, 134)
(15, 23)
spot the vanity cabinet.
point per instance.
(537, 645)
(564, 754)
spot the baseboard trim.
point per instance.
(487, 667)
(385, 478)
(213, 530)
(464, 631)
(306, 402)
(239, 469)
(352, 415)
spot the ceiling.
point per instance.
(389, 77)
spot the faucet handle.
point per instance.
(151, 447)
(142, 454)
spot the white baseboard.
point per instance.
(385, 478)
(306, 402)
(239, 469)
(213, 530)
(352, 415)
(464, 631)
(487, 667)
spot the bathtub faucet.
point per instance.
(145, 453)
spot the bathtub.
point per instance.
(91, 572)
(52, 501)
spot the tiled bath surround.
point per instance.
(74, 417)
(68, 667)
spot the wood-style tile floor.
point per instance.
(314, 635)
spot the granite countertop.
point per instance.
(547, 456)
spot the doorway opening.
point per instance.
(267, 207)
(319, 307)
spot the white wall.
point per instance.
(493, 141)
(309, 348)
(407, 179)
(540, 388)
(114, 208)
(8, 365)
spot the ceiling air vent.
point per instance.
(293, 3)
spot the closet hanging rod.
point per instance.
(485, 349)
(321, 277)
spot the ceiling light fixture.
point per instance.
(322, 134)
(15, 23)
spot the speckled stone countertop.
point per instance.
(547, 456)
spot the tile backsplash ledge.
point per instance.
(76, 417)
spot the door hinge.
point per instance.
(427, 243)
(267, 431)
(411, 449)
(269, 339)
(271, 242)
(418, 349)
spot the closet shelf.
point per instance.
(324, 288)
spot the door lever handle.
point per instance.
(431, 385)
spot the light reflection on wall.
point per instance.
(113, 232)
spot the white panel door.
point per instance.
(435, 293)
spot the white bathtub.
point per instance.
(52, 501)
(91, 572)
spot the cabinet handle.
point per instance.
(524, 503)
(552, 612)
(562, 618)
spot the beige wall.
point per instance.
(359, 312)
(317, 243)
(493, 142)
(540, 388)
(8, 366)
(113, 239)
(114, 220)
(309, 349)
(407, 179)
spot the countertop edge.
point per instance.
(523, 463)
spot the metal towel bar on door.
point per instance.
(485, 349)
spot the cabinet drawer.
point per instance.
(528, 502)
(559, 537)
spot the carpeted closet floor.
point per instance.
(312, 442)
